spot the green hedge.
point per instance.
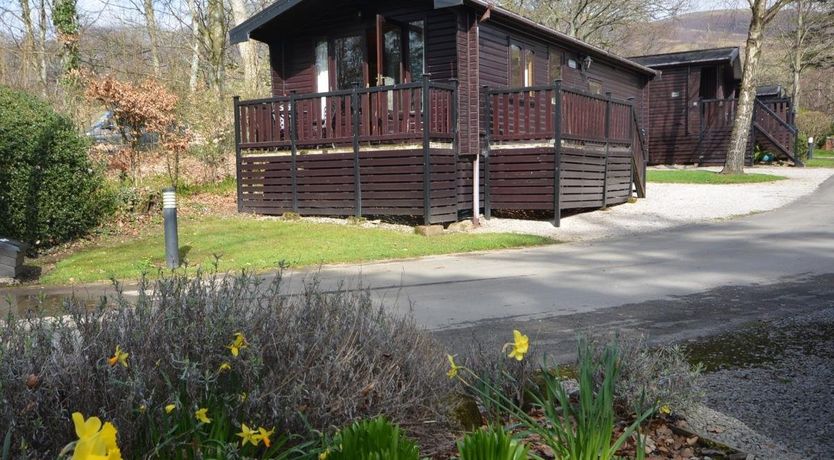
(50, 191)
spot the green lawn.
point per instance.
(822, 159)
(695, 176)
(257, 244)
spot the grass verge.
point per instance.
(259, 244)
(694, 176)
(822, 159)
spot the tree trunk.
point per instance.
(195, 46)
(153, 34)
(42, 46)
(216, 39)
(28, 46)
(798, 48)
(248, 52)
(740, 136)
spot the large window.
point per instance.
(392, 56)
(554, 64)
(522, 66)
(349, 55)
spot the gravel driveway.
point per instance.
(776, 378)
(672, 205)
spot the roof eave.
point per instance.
(557, 35)
(243, 31)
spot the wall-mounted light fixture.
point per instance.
(586, 63)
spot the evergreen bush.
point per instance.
(50, 191)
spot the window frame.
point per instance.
(527, 63)
(553, 52)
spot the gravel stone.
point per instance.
(672, 205)
(788, 398)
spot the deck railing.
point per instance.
(385, 114)
(587, 139)
(774, 117)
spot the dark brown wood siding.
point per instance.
(674, 121)
(495, 40)
(295, 70)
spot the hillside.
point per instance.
(697, 30)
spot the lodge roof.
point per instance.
(704, 56)
(770, 91)
(243, 31)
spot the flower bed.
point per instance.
(231, 367)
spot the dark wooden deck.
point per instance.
(552, 148)
(375, 151)
(393, 151)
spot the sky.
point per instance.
(105, 12)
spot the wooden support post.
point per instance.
(426, 149)
(487, 140)
(455, 141)
(357, 175)
(238, 156)
(294, 151)
(557, 153)
(607, 149)
(633, 140)
(702, 128)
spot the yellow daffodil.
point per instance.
(239, 343)
(95, 442)
(142, 409)
(202, 415)
(453, 368)
(248, 435)
(324, 455)
(225, 367)
(170, 408)
(519, 347)
(243, 397)
(119, 357)
(665, 409)
(264, 435)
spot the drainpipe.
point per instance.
(476, 165)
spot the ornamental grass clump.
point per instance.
(220, 367)
(491, 443)
(581, 429)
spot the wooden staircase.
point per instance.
(774, 133)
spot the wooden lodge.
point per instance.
(405, 107)
(693, 103)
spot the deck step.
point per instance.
(783, 149)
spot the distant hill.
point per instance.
(697, 30)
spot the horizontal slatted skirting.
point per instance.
(391, 184)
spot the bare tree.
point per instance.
(763, 12)
(248, 52)
(28, 45)
(600, 22)
(43, 25)
(195, 46)
(153, 35)
(808, 35)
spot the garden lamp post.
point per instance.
(810, 148)
(169, 214)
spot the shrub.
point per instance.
(139, 109)
(301, 364)
(573, 430)
(492, 443)
(50, 190)
(509, 377)
(651, 376)
(375, 439)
